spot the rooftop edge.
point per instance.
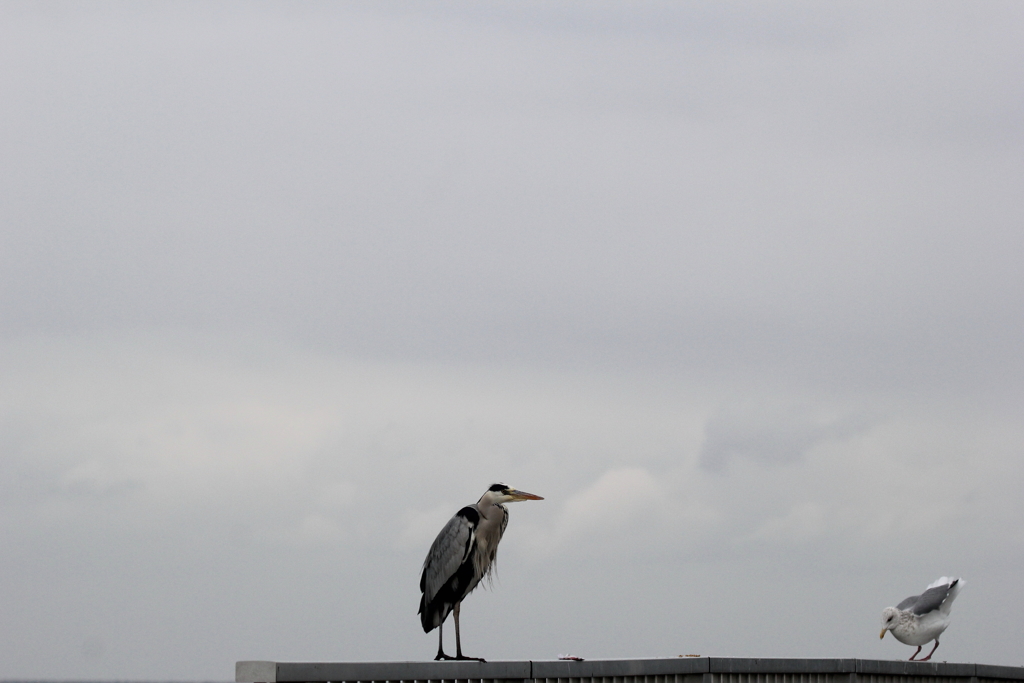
(338, 672)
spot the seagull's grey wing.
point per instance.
(449, 550)
(909, 602)
(931, 599)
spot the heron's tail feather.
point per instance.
(433, 615)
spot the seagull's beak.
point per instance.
(882, 634)
(522, 495)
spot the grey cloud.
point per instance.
(282, 283)
(304, 488)
(467, 198)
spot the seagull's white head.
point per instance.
(890, 617)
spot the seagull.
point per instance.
(921, 618)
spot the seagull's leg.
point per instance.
(911, 656)
(932, 652)
(458, 639)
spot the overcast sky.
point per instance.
(738, 288)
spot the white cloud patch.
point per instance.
(804, 521)
(619, 498)
(771, 433)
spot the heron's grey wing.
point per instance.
(504, 520)
(931, 599)
(451, 547)
(909, 602)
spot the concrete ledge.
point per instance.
(739, 665)
(343, 672)
(256, 671)
(1012, 673)
(905, 668)
(619, 667)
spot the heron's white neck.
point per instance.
(487, 507)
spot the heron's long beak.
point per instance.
(522, 495)
(882, 634)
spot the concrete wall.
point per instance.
(678, 670)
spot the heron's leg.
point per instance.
(440, 644)
(915, 653)
(932, 652)
(458, 638)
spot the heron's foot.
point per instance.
(463, 657)
(441, 655)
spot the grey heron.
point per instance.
(923, 617)
(461, 555)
